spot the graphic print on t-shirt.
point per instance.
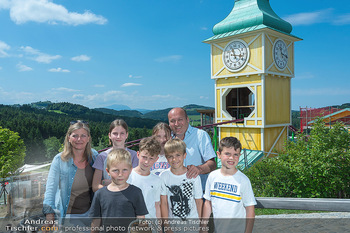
(226, 192)
(179, 199)
(160, 166)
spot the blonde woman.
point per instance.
(69, 183)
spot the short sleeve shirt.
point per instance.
(229, 195)
(150, 186)
(101, 161)
(126, 203)
(199, 149)
(181, 193)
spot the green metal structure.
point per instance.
(250, 15)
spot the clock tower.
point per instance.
(252, 63)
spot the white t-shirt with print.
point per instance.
(150, 186)
(229, 195)
(181, 193)
(160, 165)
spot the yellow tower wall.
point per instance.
(242, 80)
(273, 134)
(277, 100)
(250, 138)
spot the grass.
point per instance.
(194, 117)
(259, 211)
(58, 111)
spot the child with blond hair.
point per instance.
(118, 199)
(181, 197)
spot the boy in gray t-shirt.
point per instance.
(118, 199)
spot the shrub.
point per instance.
(12, 152)
(317, 166)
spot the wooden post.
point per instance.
(24, 193)
(8, 207)
(39, 187)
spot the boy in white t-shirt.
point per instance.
(141, 176)
(181, 198)
(228, 191)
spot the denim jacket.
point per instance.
(59, 184)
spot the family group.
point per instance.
(173, 175)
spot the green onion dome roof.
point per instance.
(252, 14)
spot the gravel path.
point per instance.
(310, 215)
(312, 222)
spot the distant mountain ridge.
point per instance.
(118, 107)
(131, 113)
(161, 115)
(69, 108)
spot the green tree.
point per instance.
(316, 166)
(12, 152)
(52, 146)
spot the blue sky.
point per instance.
(150, 55)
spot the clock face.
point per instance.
(235, 55)
(280, 54)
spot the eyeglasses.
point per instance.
(79, 121)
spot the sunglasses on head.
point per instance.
(79, 121)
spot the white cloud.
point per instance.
(3, 48)
(64, 89)
(16, 97)
(82, 57)
(342, 19)
(59, 70)
(204, 28)
(91, 99)
(0, 68)
(45, 11)
(320, 91)
(308, 18)
(162, 96)
(99, 85)
(77, 96)
(172, 58)
(104, 97)
(22, 68)
(137, 76)
(131, 84)
(5, 4)
(203, 97)
(39, 56)
(127, 98)
(45, 58)
(306, 75)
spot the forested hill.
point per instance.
(162, 115)
(35, 124)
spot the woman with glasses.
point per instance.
(69, 183)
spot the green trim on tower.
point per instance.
(251, 14)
